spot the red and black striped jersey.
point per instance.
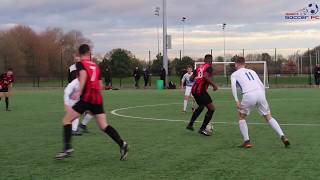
(201, 85)
(6, 80)
(92, 90)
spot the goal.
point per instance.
(223, 70)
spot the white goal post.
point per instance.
(259, 66)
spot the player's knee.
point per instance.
(267, 117)
(66, 120)
(69, 117)
(242, 116)
(211, 107)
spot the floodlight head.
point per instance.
(157, 11)
(224, 25)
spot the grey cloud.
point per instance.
(131, 23)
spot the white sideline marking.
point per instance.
(114, 112)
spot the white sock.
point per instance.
(185, 104)
(244, 129)
(86, 119)
(274, 124)
(75, 124)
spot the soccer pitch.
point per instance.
(160, 146)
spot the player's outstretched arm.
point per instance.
(234, 91)
(101, 85)
(82, 81)
(10, 88)
(182, 82)
(209, 80)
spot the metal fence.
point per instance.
(302, 76)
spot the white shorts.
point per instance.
(68, 101)
(188, 91)
(254, 98)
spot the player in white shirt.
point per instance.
(253, 94)
(188, 86)
(72, 87)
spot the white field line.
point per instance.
(115, 112)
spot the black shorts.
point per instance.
(202, 98)
(4, 90)
(82, 107)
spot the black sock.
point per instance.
(67, 133)
(207, 119)
(114, 135)
(195, 115)
(7, 102)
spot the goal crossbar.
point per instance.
(265, 71)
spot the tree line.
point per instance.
(49, 54)
(122, 62)
(45, 54)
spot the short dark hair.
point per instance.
(9, 69)
(207, 57)
(240, 60)
(189, 66)
(84, 49)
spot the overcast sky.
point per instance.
(131, 24)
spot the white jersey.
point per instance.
(186, 78)
(69, 90)
(72, 68)
(247, 80)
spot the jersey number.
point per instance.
(200, 73)
(249, 76)
(94, 73)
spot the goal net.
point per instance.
(223, 70)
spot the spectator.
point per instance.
(136, 75)
(146, 76)
(182, 73)
(316, 72)
(108, 79)
(163, 77)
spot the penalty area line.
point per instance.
(116, 113)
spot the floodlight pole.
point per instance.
(310, 67)
(165, 52)
(318, 55)
(157, 13)
(61, 63)
(224, 47)
(183, 21)
(297, 61)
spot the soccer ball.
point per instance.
(209, 128)
(313, 8)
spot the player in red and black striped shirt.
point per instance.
(90, 100)
(6, 80)
(203, 79)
